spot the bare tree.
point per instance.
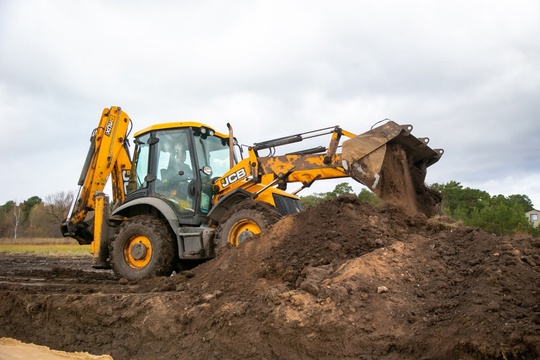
(58, 205)
(16, 219)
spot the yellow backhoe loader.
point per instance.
(188, 189)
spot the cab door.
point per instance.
(176, 174)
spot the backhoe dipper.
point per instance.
(184, 192)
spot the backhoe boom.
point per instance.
(108, 156)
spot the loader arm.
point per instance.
(388, 160)
(362, 157)
(108, 157)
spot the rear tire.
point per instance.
(244, 221)
(143, 246)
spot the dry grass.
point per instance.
(44, 246)
(38, 241)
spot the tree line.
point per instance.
(501, 215)
(35, 217)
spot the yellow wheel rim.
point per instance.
(138, 252)
(243, 230)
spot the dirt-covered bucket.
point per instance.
(392, 163)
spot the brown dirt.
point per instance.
(340, 280)
(403, 186)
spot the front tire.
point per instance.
(246, 220)
(143, 246)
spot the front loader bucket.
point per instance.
(392, 163)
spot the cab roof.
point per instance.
(178, 125)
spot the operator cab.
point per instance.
(177, 162)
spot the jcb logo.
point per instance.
(237, 175)
(108, 128)
(125, 179)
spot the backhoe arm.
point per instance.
(108, 156)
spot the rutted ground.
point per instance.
(340, 280)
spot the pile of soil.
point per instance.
(339, 280)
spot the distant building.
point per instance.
(533, 216)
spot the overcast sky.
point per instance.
(466, 74)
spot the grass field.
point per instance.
(44, 246)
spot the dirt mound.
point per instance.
(339, 280)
